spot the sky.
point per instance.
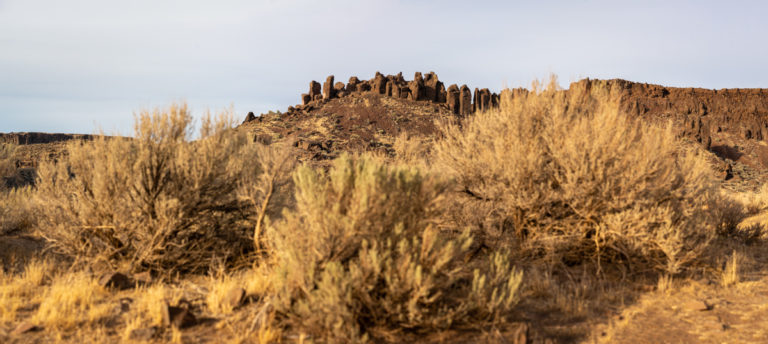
(80, 66)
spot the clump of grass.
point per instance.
(219, 287)
(360, 258)
(564, 175)
(7, 165)
(71, 301)
(731, 275)
(146, 310)
(21, 289)
(18, 213)
(16, 210)
(158, 200)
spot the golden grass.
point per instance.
(22, 289)
(731, 274)
(216, 300)
(73, 300)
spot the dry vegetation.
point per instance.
(554, 204)
(160, 200)
(569, 181)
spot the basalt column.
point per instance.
(452, 98)
(465, 101)
(328, 88)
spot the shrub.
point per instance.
(158, 200)
(360, 257)
(17, 211)
(566, 175)
(7, 165)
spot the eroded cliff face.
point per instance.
(698, 113)
(35, 138)
(358, 115)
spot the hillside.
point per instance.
(369, 115)
(529, 216)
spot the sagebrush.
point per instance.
(565, 175)
(360, 258)
(158, 200)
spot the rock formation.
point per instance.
(697, 112)
(417, 87)
(328, 92)
(421, 88)
(453, 97)
(314, 90)
(465, 101)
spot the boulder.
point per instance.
(305, 99)
(24, 327)
(144, 334)
(405, 93)
(249, 117)
(235, 297)
(178, 316)
(364, 86)
(352, 84)
(116, 280)
(399, 79)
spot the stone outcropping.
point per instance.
(422, 88)
(697, 113)
(35, 138)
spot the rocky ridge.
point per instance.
(460, 100)
(730, 123)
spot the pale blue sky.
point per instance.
(77, 65)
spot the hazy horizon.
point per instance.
(81, 65)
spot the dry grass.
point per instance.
(146, 309)
(7, 166)
(18, 290)
(731, 274)
(72, 301)
(18, 213)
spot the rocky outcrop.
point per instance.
(314, 90)
(697, 113)
(421, 88)
(34, 138)
(417, 87)
(465, 101)
(328, 91)
(453, 96)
